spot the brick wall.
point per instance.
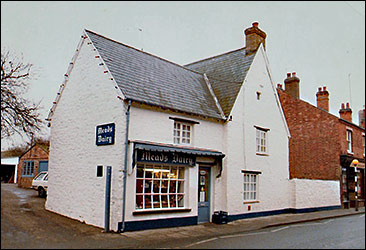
(314, 143)
(357, 147)
(36, 154)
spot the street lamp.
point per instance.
(355, 163)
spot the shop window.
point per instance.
(349, 141)
(261, 141)
(159, 187)
(250, 187)
(28, 169)
(182, 133)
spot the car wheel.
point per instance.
(41, 192)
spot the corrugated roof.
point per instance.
(149, 79)
(226, 73)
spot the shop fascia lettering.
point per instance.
(173, 158)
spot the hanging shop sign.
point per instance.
(174, 158)
(105, 134)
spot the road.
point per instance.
(338, 233)
(26, 224)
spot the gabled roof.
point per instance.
(226, 73)
(146, 78)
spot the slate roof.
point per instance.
(226, 73)
(149, 79)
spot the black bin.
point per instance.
(219, 217)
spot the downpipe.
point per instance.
(125, 167)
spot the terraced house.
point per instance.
(140, 142)
(323, 147)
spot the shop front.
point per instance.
(165, 191)
(352, 181)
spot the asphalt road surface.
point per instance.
(26, 224)
(338, 233)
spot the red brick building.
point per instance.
(32, 162)
(318, 147)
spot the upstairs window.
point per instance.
(349, 141)
(182, 133)
(363, 144)
(261, 140)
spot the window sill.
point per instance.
(262, 154)
(161, 211)
(250, 202)
(350, 153)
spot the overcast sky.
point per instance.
(323, 42)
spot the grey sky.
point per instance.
(323, 42)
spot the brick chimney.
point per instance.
(361, 117)
(292, 85)
(322, 99)
(346, 112)
(253, 38)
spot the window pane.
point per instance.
(172, 201)
(156, 201)
(148, 201)
(164, 186)
(148, 186)
(164, 201)
(139, 201)
(139, 186)
(156, 186)
(180, 200)
(172, 187)
(140, 172)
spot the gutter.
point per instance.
(122, 229)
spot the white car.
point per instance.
(39, 183)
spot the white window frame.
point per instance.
(28, 169)
(157, 170)
(182, 133)
(349, 135)
(250, 186)
(261, 138)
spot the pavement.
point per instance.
(178, 236)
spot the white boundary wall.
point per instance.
(315, 193)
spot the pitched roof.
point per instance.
(226, 73)
(152, 80)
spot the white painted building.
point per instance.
(204, 137)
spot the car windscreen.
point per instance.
(40, 176)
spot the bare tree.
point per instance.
(18, 115)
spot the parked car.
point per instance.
(39, 183)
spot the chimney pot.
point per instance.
(319, 89)
(347, 105)
(324, 88)
(255, 24)
(292, 85)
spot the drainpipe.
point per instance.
(125, 167)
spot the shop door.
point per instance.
(204, 195)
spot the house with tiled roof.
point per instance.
(31, 163)
(140, 142)
(323, 148)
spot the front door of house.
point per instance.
(203, 194)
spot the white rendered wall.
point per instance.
(153, 126)
(315, 193)
(273, 192)
(89, 99)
